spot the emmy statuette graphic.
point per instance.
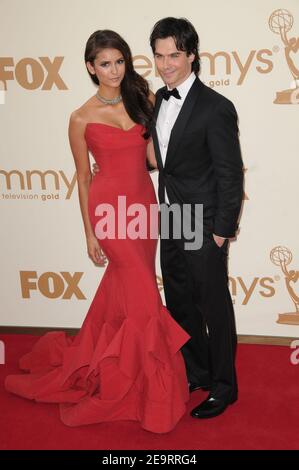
(282, 256)
(281, 22)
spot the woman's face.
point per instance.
(109, 67)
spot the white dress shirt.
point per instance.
(168, 113)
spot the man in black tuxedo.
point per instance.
(199, 160)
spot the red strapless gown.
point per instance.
(125, 363)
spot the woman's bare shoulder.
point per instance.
(81, 115)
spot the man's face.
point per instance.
(173, 65)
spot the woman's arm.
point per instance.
(150, 156)
(81, 159)
(150, 151)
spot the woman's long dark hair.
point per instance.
(134, 88)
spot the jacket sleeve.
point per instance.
(224, 147)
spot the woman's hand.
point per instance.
(95, 169)
(95, 252)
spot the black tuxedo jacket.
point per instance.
(203, 162)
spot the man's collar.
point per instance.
(184, 87)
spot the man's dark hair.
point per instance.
(184, 35)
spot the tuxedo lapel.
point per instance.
(182, 119)
(159, 99)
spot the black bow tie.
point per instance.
(168, 93)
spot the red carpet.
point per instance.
(265, 417)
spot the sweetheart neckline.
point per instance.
(112, 127)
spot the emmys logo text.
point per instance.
(63, 285)
(2, 353)
(28, 180)
(224, 62)
(21, 184)
(294, 358)
(32, 74)
(243, 290)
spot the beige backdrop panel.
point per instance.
(46, 277)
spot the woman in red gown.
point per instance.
(125, 363)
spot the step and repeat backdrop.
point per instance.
(249, 53)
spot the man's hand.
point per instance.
(219, 240)
(95, 169)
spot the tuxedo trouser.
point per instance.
(198, 298)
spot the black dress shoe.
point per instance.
(195, 386)
(211, 407)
